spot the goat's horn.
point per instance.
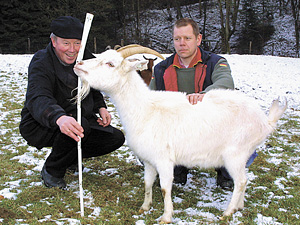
(133, 49)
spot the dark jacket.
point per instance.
(49, 92)
(209, 59)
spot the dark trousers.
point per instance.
(95, 143)
(181, 171)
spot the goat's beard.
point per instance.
(85, 90)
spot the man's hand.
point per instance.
(69, 126)
(195, 98)
(105, 117)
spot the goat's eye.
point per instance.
(110, 64)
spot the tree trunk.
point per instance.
(137, 19)
(179, 14)
(200, 8)
(228, 22)
(202, 13)
(296, 9)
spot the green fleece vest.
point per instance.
(186, 79)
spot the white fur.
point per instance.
(165, 130)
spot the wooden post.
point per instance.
(250, 47)
(86, 30)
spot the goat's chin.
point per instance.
(85, 90)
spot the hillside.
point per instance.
(156, 28)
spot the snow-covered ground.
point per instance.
(262, 77)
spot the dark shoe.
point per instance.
(74, 168)
(51, 181)
(223, 182)
(180, 175)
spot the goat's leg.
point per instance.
(243, 184)
(149, 178)
(241, 202)
(238, 174)
(165, 172)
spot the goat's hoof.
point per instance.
(161, 222)
(144, 208)
(227, 214)
(141, 211)
(165, 220)
(223, 217)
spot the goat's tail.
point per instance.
(276, 111)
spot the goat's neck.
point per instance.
(131, 95)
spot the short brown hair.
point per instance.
(185, 22)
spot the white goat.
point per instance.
(164, 129)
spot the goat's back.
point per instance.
(173, 128)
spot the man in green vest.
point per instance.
(193, 71)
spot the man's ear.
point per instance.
(199, 39)
(140, 65)
(53, 41)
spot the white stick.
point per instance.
(86, 29)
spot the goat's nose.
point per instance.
(80, 63)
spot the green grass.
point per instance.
(114, 183)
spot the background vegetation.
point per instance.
(25, 24)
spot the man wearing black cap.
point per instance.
(48, 116)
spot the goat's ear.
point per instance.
(139, 65)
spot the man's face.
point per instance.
(185, 42)
(66, 49)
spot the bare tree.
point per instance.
(296, 11)
(169, 5)
(202, 13)
(178, 8)
(136, 5)
(283, 6)
(228, 21)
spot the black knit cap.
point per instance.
(67, 27)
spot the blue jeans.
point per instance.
(249, 162)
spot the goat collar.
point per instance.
(197, 59)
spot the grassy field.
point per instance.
(113, 184)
